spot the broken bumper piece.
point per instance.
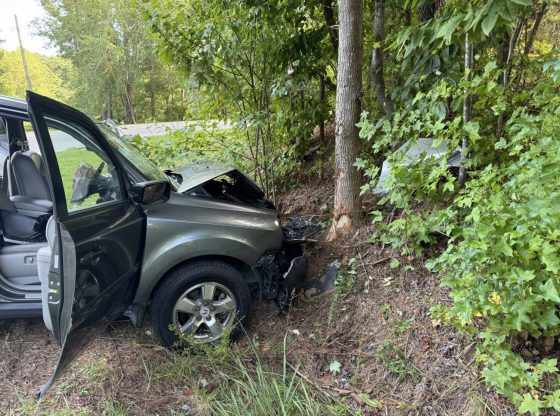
(294, 277)
(283, 273)
(301, 230)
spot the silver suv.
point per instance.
(92, 230)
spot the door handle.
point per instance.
(93, 256)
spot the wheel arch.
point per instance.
(136, 311)
(246, 270)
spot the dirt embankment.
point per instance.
(374, 344)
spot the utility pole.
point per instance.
(25, 69)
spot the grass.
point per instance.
(68, 161)
(234, 380)
(256, 390)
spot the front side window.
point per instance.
(88, 175)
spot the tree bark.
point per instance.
(377, 72)
(467, 109)
(110, 104)
(153, 102)
(538, 20)
(328, 12)
(348, 106)
(128, 109)
(508, 66)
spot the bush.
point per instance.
(502, 259)
(502, 266)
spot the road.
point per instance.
(63, 141)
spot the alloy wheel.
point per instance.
(205, 311)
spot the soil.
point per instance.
(393, 357)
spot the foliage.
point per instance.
(243, 71)
(118, 74)
(502, 266)
(501, 228)
(50, 75)
(203, 141)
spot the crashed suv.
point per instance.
(92, 231)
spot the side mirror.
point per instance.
(152, 192)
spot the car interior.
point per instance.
(26, 205)
(25, 209)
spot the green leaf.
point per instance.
(489, 22)
(373, 403)
(394, 263)
(335, 367)
(446, 31)
(549, 291)
(530, 405)
(549, 319)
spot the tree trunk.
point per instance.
(508, 66)
(153, 102)
(377, 73)
(538, 20)
(110, 104)
(328, 12)
(128, 109)
(467, 108)
(322, 110)
(348, 107)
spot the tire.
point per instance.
(186, 300)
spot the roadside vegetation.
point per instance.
(447, 294)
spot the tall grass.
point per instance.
(258, 391)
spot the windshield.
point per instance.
(145, 166)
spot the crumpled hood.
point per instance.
(196, 173)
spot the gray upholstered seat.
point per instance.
(29, 175)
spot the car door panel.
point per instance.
(101, 246)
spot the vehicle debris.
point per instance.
(300, 230)
(423, 146)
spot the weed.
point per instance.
(346, 278)
(385, 310)
(392, 357)
(402, 326)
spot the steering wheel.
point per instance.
(98, 171)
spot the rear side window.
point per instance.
(4, 145)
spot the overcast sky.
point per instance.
(26, 10)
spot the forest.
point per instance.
(318, 94)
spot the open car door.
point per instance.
(98, 232)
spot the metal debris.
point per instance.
(423, 147)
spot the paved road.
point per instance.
(64, 142)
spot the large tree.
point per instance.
(348, 107)
(118, 73)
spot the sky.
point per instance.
(26, 11)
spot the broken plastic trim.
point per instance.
(282, 272)
(300, 230)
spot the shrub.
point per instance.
(502, 259)
(502, 265)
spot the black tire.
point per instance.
(180, 280)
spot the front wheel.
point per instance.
(201, 301)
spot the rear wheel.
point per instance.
(202, 301)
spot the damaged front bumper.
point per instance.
(283, 271)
